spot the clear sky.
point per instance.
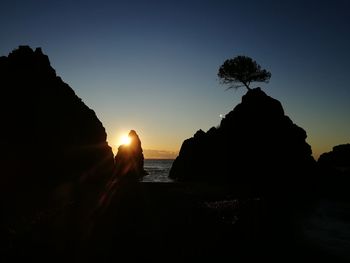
(151, 65)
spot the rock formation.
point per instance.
(257, 151)
(334, 170)
(54, 154)
(121, 212)
(255, 144)
(129, 159)
(338, 158)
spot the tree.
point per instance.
(241, 71)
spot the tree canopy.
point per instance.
(242, 71)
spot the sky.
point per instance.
(152, 66)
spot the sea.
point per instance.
(158, 170)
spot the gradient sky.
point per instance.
(151, 65)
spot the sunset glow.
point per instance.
(124, 140)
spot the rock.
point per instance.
(255, 144)
(334, 168)
(129, 159)
(128, 171)
(257, 152)
(54, 154)
(338, 158)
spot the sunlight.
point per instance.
(124, 140)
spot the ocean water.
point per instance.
(158, 170)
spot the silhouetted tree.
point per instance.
(241, 71)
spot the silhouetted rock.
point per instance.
(255, 144)
(54, 156)
(129, 159)
(334, 167)
(122, 211)
(124, 182)
(259, 151)
(338, 158)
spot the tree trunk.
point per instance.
(246, 85)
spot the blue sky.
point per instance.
(151, 65)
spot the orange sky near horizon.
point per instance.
(149, 150)
(168, 148)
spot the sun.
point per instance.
(124, 140)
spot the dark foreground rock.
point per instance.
(54, 158)
(179, 222)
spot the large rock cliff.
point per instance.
(54, 152)
(255, 144)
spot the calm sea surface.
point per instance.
(158, 170)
